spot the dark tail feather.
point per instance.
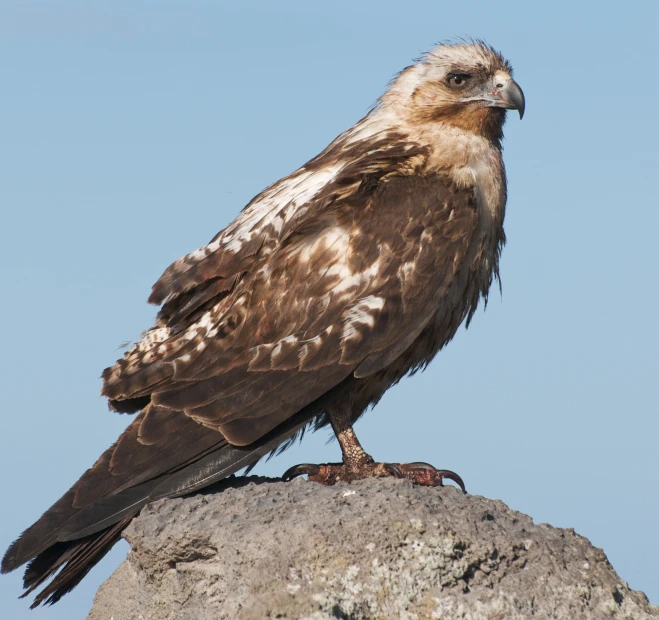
(74, 547)
(40, 535)
(67, 541)
(77, 557)
(80, 555)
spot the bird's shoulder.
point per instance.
(348, 170)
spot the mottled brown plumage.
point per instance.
(328, 288)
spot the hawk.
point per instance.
(329, 287)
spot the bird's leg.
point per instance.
(355, 457)
(358, 464)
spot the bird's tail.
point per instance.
(76, 532)
(76, 557)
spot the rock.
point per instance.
(375, 549)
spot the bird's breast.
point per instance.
(470, 161)
(488, 181)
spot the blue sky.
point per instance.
(133, 132)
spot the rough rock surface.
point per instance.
(376, 549)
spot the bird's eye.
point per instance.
(458, 80)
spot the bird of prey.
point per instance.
(329, 287)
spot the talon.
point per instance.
(451, 475)
(300, 470)
(432, 474)
(394, 470)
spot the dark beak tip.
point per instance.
(517, 98)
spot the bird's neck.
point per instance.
(464, 157)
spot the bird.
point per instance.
(328, 288)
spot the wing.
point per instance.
(336, 173)
(348, 286)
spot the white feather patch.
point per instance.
(359, 315)
(275, 206)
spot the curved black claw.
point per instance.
(442, 473)
(300, 470)
(451, 475)
(394, 470)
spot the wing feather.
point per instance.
(345, 292)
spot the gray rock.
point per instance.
(375, 549)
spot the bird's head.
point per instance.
(467, 85)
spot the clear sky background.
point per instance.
(132, 132)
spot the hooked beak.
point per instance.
(506, 95)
